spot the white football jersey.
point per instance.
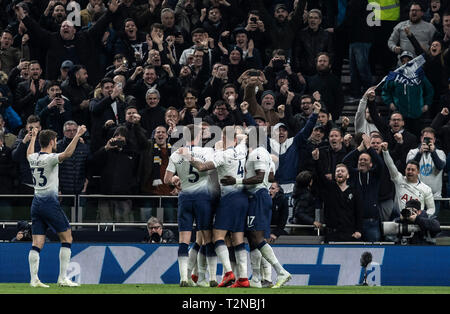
(192, 180)
(231, 162)
(258, 159)
(44, 170)
(272, 169)
(405, 191)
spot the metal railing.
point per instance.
(76, 219)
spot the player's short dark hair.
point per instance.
(45, 136)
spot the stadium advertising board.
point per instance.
(309, 264)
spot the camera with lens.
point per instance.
(25, 228)
(407, 212)
(118, 143)
(253, 19)
(155, 237)
(278, 65)
(427, 140)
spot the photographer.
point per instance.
(23, 232)
(157, 233)
(429, 226)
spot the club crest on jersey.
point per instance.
(350, 196)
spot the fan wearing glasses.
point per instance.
(157, 233)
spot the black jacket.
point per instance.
(304, 206)
(280, 213)
(343, 210)
(76, 94)
(306, 47)
(119, 170)
(101, 111)
(328, 159)
(367, 185)
(330, 89)
(152, 118)
(24, 100)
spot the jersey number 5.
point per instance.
(195, 173)
(41, 177)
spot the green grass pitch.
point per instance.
(23, 288)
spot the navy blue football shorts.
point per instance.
(259, 213)
(232, 212)
(194, 207)
(47, 212)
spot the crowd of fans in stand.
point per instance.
(133, 71)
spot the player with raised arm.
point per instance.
(194, 200)
(260, 203)
(232, 210)
(45, 208)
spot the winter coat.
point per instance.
(304, 206)
(280, 213)
(119, 170)
(72, 172)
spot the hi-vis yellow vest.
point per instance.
(386, 10)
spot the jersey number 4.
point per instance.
(42, 179)
(240, 171)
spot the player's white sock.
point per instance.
(192, 260)
(266, 270)
(201, 263)
(222, 253)
(267, 253)
(211, 260)
(241, 260)
(64, 260)
(33, 260)
(233, 262)
(255, 262)
(183, 261)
